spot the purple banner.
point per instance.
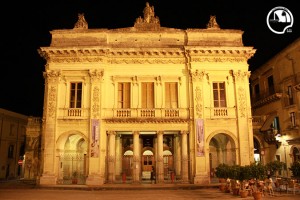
(200, 137)
(95, 139)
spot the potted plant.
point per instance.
(234, 175)
(274, 167)
(295, 169)
(74, 177)
(258, 172)
(222, 173)
(244, 177)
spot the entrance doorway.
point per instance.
(147, 163)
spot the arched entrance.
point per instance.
(127, 163)
(221, 150)
(147, 162)
(72, 167)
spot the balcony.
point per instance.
(139, 114)
(73, 113)
(265, 99)
(220, 112)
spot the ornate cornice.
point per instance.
(142, 56)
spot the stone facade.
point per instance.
(12, 143)
(275, 97)
(119, 101)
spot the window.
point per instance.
(10, 152)
(76, 95)
(290, 95)
(275, 123)
(171, 99)
(148, 95)
(12, 130)
(293, 119)
(219, 94)
(256, 91)
(124, 95)
(271, 88)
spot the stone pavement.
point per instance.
(28, 191)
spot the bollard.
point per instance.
(124, 177)
(172, 177)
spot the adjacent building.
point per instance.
(121, 101)
(275, 97)
(12, 143)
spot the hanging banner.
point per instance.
(200, 137)
(95, 139)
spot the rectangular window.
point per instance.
(75, 95)
(10, 152)
(290, 95)
(124, 95)
(148, 95)
(12, 130)
(256, 91)
(171, 98)
(219, 94)
(293, 119)
(275, 123)
(271, 85)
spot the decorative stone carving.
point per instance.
(239, 75)
(150, 21)
(96, 75)
(198, 100)
(81, 23)
(198, 76)
(51, 101)
(52, 76)
(95, 100)
(242, 102)
(212, 23)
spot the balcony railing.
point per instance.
(224, 112)
(147, 113)
(74, 113)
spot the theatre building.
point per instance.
(121, 101)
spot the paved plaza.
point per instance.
(125, 192)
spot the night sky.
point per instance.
(26, 26)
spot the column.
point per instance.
(118, 155)
(184, 157)
(136, 157)
(160, 158)
(111, 156)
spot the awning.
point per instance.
(267, 125)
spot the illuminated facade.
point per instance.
(119, 101)
(275, 97)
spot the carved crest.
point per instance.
(81, 23)
(149, 21)
(212, 24)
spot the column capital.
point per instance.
(111, 132)
(184, 132)
(135, 132)
(159, 132)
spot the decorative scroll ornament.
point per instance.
(212, 23)
(242, 102)
(81, 23)
(150, 21)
